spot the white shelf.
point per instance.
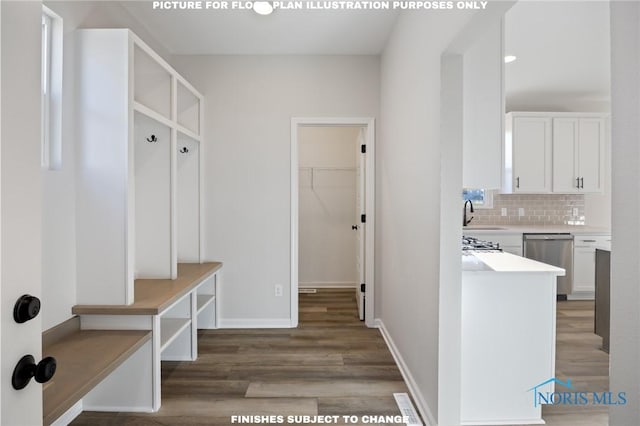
(205, 300)
(170, 328)
(145, 110)
(187, 132)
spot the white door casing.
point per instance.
(20, 203)
(368, 228)
(360, 228)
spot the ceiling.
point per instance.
(563, 52)
(285, 32)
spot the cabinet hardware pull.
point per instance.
(582, 182)
(588, 241)
(577, 182)
(518, 182)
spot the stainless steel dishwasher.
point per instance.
(552, 249)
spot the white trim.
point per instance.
(115, 408)
(582, 295)
(328, 284)
(255, 323)
(69, 415)
(506, 422)
(414, 389)
(369, 123)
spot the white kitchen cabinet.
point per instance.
(584, 264)
(483, 113)
(578, 154)
(527, 154)
(133, 110)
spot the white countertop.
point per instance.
(534, 229)
(505, 262)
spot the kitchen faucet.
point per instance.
(465, 222)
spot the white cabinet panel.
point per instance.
(584, 263)
(584, 269)
(531, 154)
(591, 155)
(565, 144)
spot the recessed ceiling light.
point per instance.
(263, 7)
(509, 58)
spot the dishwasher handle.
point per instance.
(548, 237)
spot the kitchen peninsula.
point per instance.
(508, 337)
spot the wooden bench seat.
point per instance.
(153, 296)
(84, 358)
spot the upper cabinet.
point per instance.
(483, 111)
(554, 153)
(578, 154)
(139, 168)
(527, 154)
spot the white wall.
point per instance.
(59, 232)
(408, 193)
(327, 200)
(249, 102)
(625, 268)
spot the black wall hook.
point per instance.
(152, 139)
(184, 150)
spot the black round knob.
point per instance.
(45, 369)
(27, 368)
(26, 308)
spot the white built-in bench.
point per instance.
(84, 359)
(110, 358)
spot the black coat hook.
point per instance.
(184, 150)
(152, 139)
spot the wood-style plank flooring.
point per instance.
(580, 358)
(330, 365)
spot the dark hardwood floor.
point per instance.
(330, 365)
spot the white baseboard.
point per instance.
(582, 295)
(255, 323)
(116, 409)
(69, 415)
(328, 284)
(423, 407)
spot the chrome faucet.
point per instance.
(465, 222)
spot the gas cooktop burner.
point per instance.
(471, 244)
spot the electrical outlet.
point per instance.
(520, 211)
(279, 290)
(503, 211)
(575, 211)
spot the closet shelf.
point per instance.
(170, 329)
(204, 300)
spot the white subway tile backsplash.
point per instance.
(539, 209)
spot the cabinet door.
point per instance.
(591, 154)
(584, 269)
(565, 144)
(531, 154)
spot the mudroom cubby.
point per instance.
(139, 130)
(152, 153)
(188, 199)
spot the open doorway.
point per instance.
(332, 210)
